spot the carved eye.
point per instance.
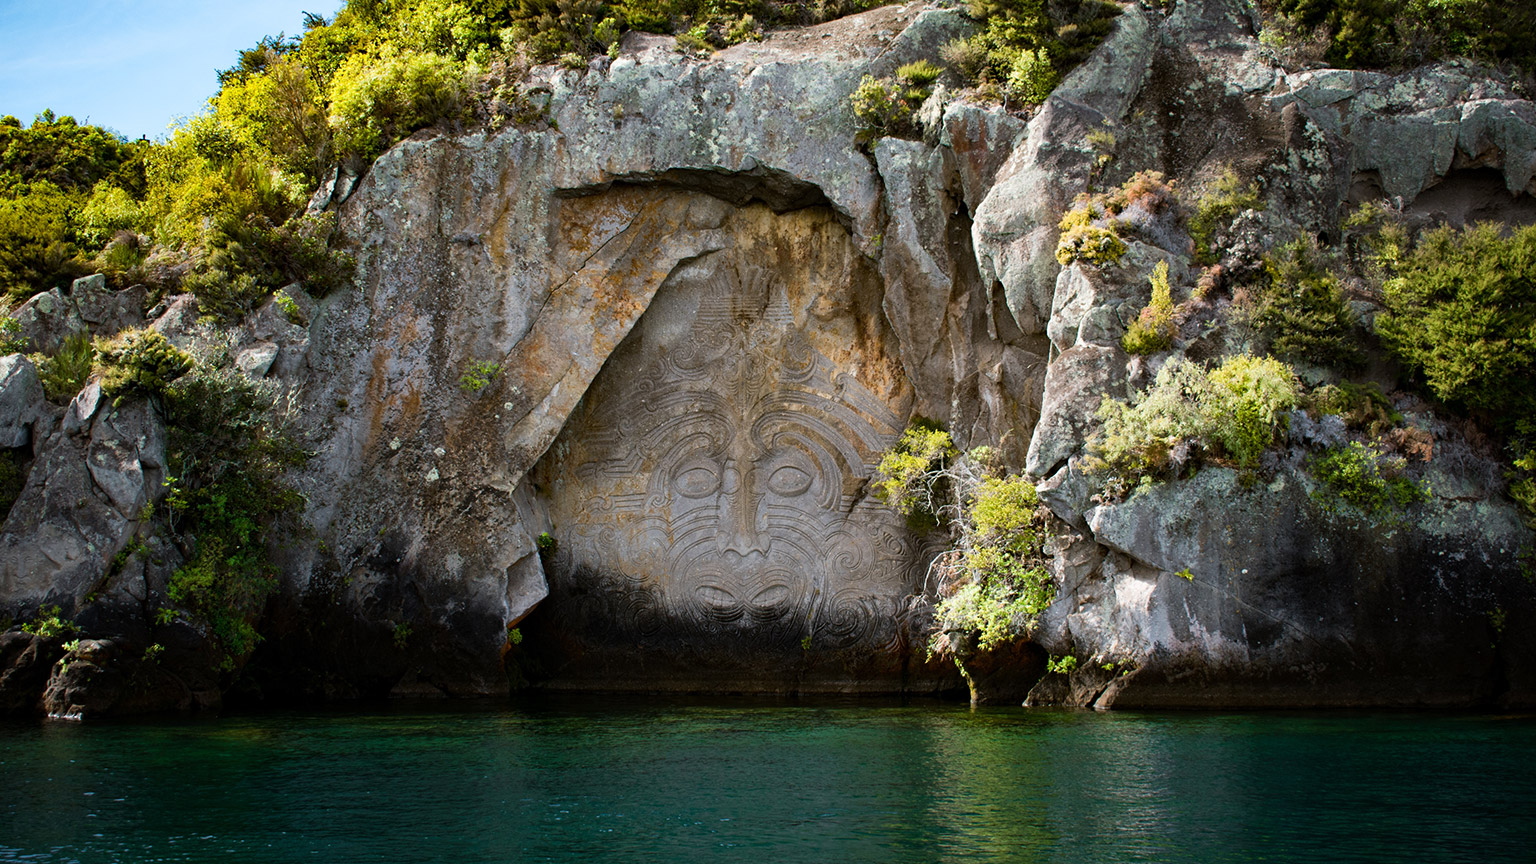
(789, 481)
(697, 481)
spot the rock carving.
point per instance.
(722, 482)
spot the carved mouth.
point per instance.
(727, 603)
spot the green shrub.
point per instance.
(1063, 665)
(203, 180)
(969, 58)
(48, 624)
(121, 256)
(1028, 46)
(884, 106)
(1238, 407)
(1303, 314)
(37, 249)
(1246, 403)
(1366, 479)
(289, 307)
(695, 41)
(744, 29)
(1031, 77)
(229, 446)
(906, 471)
(1090, 244)
(1155, 328)
(999, 603)
(223, 297)
(1226, 199)
(647, 16)
(1092, 229)
(1138, 436)
(140, 361)
(65, 372)
(992, 582)
(247, 259)
(920, 73)
(546, 543)
(110, 209)
(377, 100)
(1398, 34)
(478, 376)
(12, 341)
(1461, 313)
(1362, 406)
(1003, 513)
(66, 155)
(608, 32)
(226, 588)
(548, 28)
(401, 635)
(281, 113)
(1522, 486)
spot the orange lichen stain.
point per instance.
(401, 330)
(496, 247)
(411, 401)
(375, 390)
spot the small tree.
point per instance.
(988, 588)
(1155, 328)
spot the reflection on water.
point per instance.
(766, 782)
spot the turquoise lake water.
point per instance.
(590, 780)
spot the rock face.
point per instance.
(660, 186)
(94, 472)
(672, 323)
(1229, 595)
(102, 677)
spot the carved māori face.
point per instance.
(723, 475)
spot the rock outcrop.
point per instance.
(603, 405)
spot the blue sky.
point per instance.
(130, 66)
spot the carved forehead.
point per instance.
(744, 376)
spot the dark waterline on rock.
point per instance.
(584, 780)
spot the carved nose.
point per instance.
(744, 541)
(738, 524)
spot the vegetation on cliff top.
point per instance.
(1025, 47)
(1021, 51)
(1400, 34)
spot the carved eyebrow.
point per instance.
(818, 410)
(667, 401)
(685, 427)
(813, 430)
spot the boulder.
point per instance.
(91, 480)
(88, 306)
(108, 678)
(47, 319)
(21, 400)
(1075, 384)
(105, 311)
(177, 320)
(26, 660)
